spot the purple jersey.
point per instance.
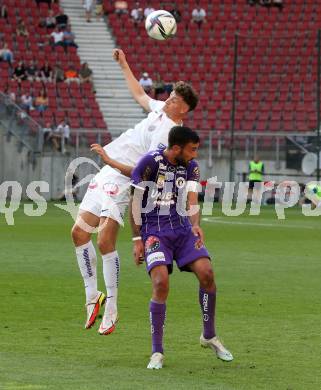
(165, 198)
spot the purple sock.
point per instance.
(157, 312)
(207, 302)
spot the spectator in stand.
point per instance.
(146, 82)
(176, 13)
(32, 72)
(266, 3)
(198, 16)
(42, 101)
(137, 14)
(50, 21)
(88, 5)
(65, 132)
(60, 135)
(21, 29)
(46, 72)
(71, 75)
(61, 20)
(278, 3)
(11, 95)
(46, 131)
(158, 86)
(55, 138)
(121, 7)
(148, 10)
(108, 7)
(3, 10)
(44, 1)
(20, 73)
(58, 37)
(85, 73)
(6, 54)
(99, 10)
(69, 38)
(58, 74)
(26, 102)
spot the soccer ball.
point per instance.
(313, 193)
(160, 25)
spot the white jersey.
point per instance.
(149, 134)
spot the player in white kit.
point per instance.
(107, 195)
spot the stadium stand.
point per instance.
(277, 63)
(74, 102)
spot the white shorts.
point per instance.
(88, 5)
(107, 196)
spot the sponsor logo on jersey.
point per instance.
(93, 184)
(169, 176)
(160, 181)
(110, 188)
(171, 168)
(152, 244)
(196, 173)
(158, 158)
(155, 257)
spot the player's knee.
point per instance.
(105, 245)
(207, 279)
(160, 287)
(79, 236)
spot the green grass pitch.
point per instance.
(268, 274)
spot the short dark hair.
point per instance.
(181, 136)
(188, 94)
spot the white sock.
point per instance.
(111, 275)
(87, 261)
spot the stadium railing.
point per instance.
(18, 124)
(29, 134)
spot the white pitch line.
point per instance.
(216, 220)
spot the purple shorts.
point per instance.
(162, 248)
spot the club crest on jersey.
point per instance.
(152, 244)
(110, 188)
(161, 146)
(180, 182)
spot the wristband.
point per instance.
(137, 238)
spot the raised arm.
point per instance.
(135, 88)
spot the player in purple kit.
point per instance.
(164, 231)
